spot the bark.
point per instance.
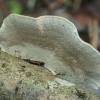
(20, 80)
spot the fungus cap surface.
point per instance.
(54, 41)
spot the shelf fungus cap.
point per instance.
(54, 41)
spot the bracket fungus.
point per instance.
(54, 41)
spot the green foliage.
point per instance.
(15, 6)
(69, 2)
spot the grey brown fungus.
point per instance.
(54, 41)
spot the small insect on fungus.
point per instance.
(39, 63)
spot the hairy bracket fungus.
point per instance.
(54, 41)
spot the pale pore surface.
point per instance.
(53, 40)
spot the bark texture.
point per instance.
(20, 80)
